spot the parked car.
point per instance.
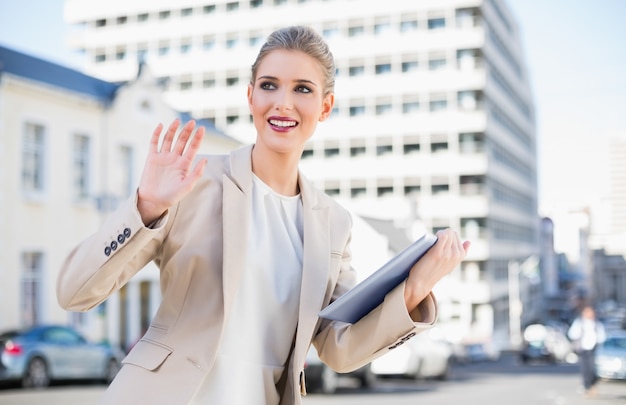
(611, 357)
(421, 357)
(546, 343)
(321, 378)
(38, 355)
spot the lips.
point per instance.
(281, 123)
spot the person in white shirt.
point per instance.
(587, 333)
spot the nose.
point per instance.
(284, 101)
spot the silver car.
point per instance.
(38, 355)
(611, 357)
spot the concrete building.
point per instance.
(433, 126)
(71, 147)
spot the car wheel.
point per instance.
(36, 375)
(329, 382)
(112, 368)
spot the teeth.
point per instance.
(279, 123)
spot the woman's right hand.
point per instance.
(168, 175)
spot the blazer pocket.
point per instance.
(147, 355)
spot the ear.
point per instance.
(327, 106)
(249, 95)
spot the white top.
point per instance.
(259, 332)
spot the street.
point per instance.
(493, 383)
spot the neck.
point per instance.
(279, 171)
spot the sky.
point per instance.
(576, 58)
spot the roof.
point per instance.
(30, 67)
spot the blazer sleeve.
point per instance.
(346, 347)
(106, 260)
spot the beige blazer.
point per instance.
(200, 248)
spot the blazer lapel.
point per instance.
(236, 219)
(316, 261)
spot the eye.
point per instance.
(303, 89)
(267, 86)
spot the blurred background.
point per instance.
(503, 119)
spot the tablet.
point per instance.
(369, 293)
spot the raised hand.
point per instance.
(439, 261)
(168, 174)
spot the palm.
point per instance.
(168, 174)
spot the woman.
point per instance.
(249, 253)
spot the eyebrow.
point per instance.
(297, 80)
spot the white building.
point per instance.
(434, 119)
(71, 147)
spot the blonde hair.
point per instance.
(303, 39)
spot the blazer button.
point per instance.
(121, 238)
(113, 245)
(127, 232)
(107, 251)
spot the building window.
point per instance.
(142, 17)
(121, 20)
(330, 32)
(33, 143)
(357, 192)
(232, 81)
(30, 288)
(233, 6)
(357, 151)
(232, 119)
(412, 189)
(384, 191)
(81, 154)
(438, 104)
(357, 110)
(382, 109)
(382, 28)
(208, 43)
(164, 48)
(383, 68)
(356, 70)
(437, 63)
(208, 83)
(410, 148)
(409, 107)
(185, 46)
(186, 85)
(331, 152)
(186, 12)
(101, 23)
(356, 31)
(436, 23)
(307, 153)
(333, 192)
(382, 150)
(256, 3)
(231, 41)
(440, 188)
(164, 15)
(438, 147)
(408, 26)
(208, 9)
(409, 66)
(100, 57)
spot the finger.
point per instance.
(169, 136)
(195, 143)
(154, 140)
(181, 142)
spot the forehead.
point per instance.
(291, 65)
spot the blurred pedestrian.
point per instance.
(249, 252)
(587, 332)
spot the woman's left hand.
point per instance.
(439, 261)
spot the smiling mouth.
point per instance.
(283, 123)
